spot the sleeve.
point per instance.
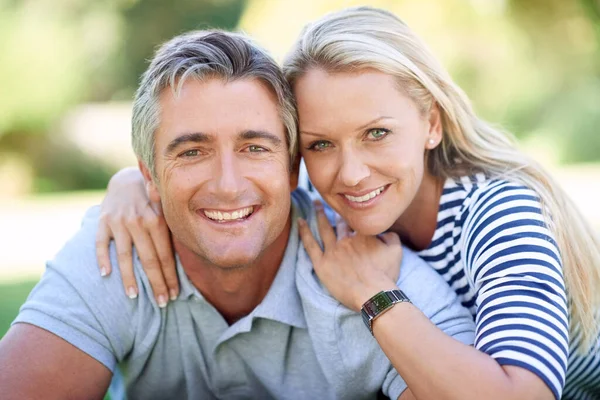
(73, 302)
(513, 262)
(430, 293)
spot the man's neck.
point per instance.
(235, 292)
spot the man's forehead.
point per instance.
(214, 88)
(215, 107)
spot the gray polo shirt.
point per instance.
(299, 343)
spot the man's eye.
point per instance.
(190, 153)
(319, 145)
(377, 133)
(256, 149)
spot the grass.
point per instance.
(12, 296)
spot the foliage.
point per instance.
(530, 65)
(58, 53)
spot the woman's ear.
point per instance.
(151, 188)
(434, 136)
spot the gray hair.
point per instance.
(202, 55)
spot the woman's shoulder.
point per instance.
(491, 208)
(479, 191)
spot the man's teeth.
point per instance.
(228, 216)
(366, 197)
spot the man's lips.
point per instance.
(221, 215)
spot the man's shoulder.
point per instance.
(76, 267)
(425, 287)
(78, 256)
(76, 261)
(75, 303)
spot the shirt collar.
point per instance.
(282, 302)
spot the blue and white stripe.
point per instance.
(492, 246)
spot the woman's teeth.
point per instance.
(229, 216)
(366, 197)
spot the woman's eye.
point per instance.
(378, 133)
(319, 145)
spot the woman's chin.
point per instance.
(369, 227)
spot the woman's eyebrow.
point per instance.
(372, 122)
(358, 129)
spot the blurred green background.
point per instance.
(69, 68)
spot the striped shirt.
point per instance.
(493, 248)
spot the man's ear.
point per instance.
(434, 136)
(151, 188)
(295, 173)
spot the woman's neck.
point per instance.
(416, 226)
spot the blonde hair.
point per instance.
(365, 37)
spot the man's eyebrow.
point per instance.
(360, 128)
(196, 137)
(253, 134)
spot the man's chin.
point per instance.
(231, 261)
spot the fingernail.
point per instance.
(102, 271)
(131, 292)
(162, 301)
(173, 294)
(300, 221)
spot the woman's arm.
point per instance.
(434, 365)
(129, 218)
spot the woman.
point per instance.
(392, 144)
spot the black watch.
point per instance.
(379, 304)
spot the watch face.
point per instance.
(379, 303)
(382, 302)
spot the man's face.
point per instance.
(222, 169)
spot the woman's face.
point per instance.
(363, 142)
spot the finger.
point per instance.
(124, 253)
(325, 228)
(341, 227)
(161, 238)
(150, 262)
(308, 240)
(156, 207)
(390, 238)
(103, 237)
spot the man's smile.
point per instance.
(228, 216)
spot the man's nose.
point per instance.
(228, 176)
(353, 169)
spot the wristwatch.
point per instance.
(379, 304)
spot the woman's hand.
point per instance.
(128, 217)
(352, 267)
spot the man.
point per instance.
(214, 131)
